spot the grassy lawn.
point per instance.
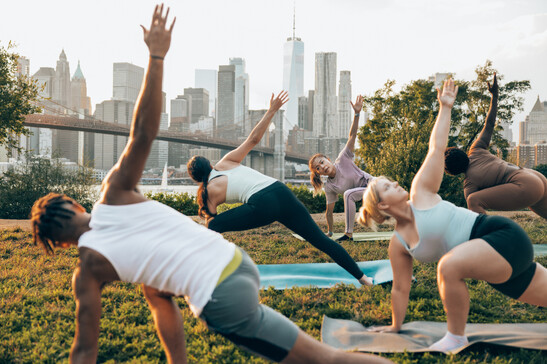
(37, 308)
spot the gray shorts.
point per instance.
(234, 312)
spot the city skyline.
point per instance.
(364, 36)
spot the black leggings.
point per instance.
(514, 245)
(277, 203)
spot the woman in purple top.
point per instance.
(344, 177)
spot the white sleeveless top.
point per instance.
(151, 243)
(243, 182)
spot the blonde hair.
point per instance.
(369, 214)
(315, 178)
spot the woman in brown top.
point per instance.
(492, 183)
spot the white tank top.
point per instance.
(243, 182)
(151, 243)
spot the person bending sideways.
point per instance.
(343, 177)
(466, 245)
(264, 198)
(492, 183)
(129, 238)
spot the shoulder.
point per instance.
(93, 266)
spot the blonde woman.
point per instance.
(343, 177)
(466, 245)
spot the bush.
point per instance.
(36, 177)
(541, 168)
(315, 204)
(182, 202)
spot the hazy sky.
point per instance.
(376, 40)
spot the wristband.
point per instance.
(357, 114)
(156, 57)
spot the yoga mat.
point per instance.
(417, 336)
(320, 275)
(540, 250)
(379, 235)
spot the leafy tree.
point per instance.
(541, 168)
(20, 186)
(17, 96)
(394, 142)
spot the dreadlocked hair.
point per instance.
(199, 168)
(315, 178)
(47, 216)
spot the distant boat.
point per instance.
(164, 187)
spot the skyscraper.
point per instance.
(325, 100)
(207, 79)
(344, 106)
(536, 124)
(293, 75)
(226, 96)
(200, 103)
(40, 140)
(127, 80)
(241, 88)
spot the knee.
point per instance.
(449, 268)
(474, 203)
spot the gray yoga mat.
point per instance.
(540, 250)
(320, 275)
(377, 235)
(417, 336)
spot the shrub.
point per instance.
(37, 176)
(182, 202)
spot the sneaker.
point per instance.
(343, 238)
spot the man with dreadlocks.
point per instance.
(129, 238)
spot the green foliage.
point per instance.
(314, 204)
(395, 140)
(37, 317)
(17, 97)
(182, 202)
(541, 168)
(36, 177)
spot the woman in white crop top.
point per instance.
(466, 245)
(265, 199)
(131, 239)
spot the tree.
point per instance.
(17, 97)
(541, 168)
(394, 142)
(20, 186)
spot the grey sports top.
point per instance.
(440, 229)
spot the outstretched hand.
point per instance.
(158, 38)
(448, 95)
(358, 106)
(494, 90)
(280, 100)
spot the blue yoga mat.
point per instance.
(320, 275)
(540, 250)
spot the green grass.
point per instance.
(37, 308)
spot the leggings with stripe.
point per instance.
(277, 203)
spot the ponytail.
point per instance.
(199, 169)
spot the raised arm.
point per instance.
(428, 180)
(125, 175)
(483, 141)
(357, 107)
(237, 155)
